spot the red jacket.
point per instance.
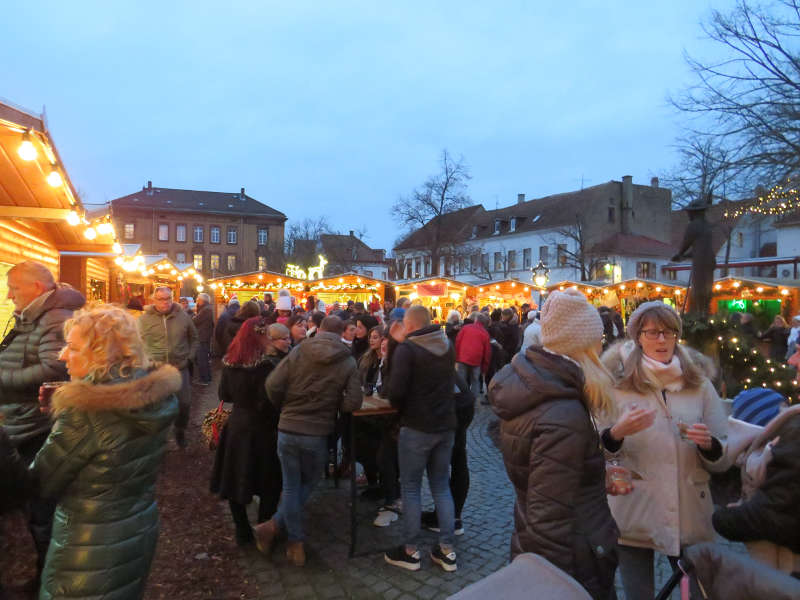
(473, 347)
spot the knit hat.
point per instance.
(757, 406)
(283, 303)
(570, 323)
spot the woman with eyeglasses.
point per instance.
(668, 429)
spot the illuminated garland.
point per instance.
(743, 367)
(779, 200)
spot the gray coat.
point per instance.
(169, 337)
(29, 357)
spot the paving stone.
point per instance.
(391, 594)
(301, 591)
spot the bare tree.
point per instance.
(746, 106)
(574, 255)
(703, 168)
(442, 193)
(302, 237)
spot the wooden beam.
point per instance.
(85, 247)
(34, 214)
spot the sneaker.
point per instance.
(387, 515)
(459, 529)
(398, 557)
(446, 561)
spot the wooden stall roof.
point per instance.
(759, 284)
(507, 287)
(412, 283)
(24, 190)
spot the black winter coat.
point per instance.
(422, 381)
(552, 454)
(771, 513)
(246, 463)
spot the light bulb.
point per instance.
(200, 288)
(90, 233)
(26, 150)
(54, 178)
(105, 228)
(116, 248)
(73, 218)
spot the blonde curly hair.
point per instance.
(112, 340)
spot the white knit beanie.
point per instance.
(570, 323)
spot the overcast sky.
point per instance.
(338, 108)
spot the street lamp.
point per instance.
(540, 274)
(611, 270)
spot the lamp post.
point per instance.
(611, 269)
(540, 274)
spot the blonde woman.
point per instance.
(669, 431)
(545, 400)
(101, 459)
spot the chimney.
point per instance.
(241, 194)
(149, 185)
(627, 204)
(654, 182)
(352, 233)
(520, 198)
(149, 189)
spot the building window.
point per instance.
(612, 217)
(368, 273)
(215, 233)
(544, 254)
(562, 255)
(646, 270)
(498, 261)
(180, 233)
(129, 231)
(474, 231)
(739, 239)
(513, 225)
(417, 268)
(233, 235)
(672, 275)
(526, 258)
(231, 263)
(198, 234)
(163, 232)
(180, 257)
(512, 259)
(213, 262)
(496, 226)
(485, 263)
(262, 263)
(263, 236)
(197, 259)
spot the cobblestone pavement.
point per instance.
(329, 573)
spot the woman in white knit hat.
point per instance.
(669, 431)
(546, 399)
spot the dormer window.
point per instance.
(513, 225)
(496, 226)
(474, 231)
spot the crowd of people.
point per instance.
(609, 431)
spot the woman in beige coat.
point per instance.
(669, 431)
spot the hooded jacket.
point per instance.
(473, 347)
(770, 513)
(422, 381)
(552, 454)
(671, 505)
(29, 357)
(318, 378)
(100, 463)
(169, 337)
(204, 323)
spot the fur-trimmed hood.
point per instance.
(123, 394)
(614, 357)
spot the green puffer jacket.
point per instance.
(29, 357)
(169, 337)
(100, 463)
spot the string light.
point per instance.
(54, 178)
(26, 150)
(777, 201)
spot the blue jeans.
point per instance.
(472, 375)
(303, 459)
(418, 451)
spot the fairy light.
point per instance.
(777, 201)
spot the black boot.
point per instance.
(244, 532)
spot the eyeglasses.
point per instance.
(163, 298)
(654, 334)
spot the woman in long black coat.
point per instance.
(246, 463)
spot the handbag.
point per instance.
(213, 423)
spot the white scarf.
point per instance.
(668, 375)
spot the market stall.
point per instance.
(439, 294)
(140, 274)
(506, 293)
(41, 217)
(350, 286)
(764, 298)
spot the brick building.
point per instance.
(219, 232)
